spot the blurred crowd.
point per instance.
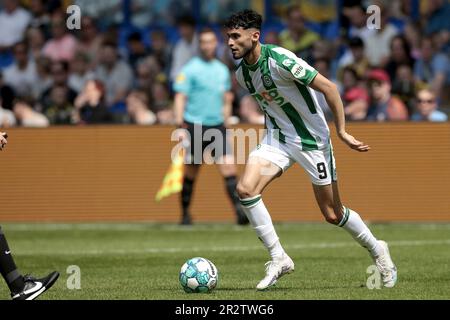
(109, 71)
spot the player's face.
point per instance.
(208, 44)
(242, 41)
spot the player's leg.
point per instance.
(320, 165)
(190, 173)
(8, 267)
(22, 288)
(327, 197)
(259, 172)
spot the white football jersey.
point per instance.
(279, 82)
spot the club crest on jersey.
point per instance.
(267, 80)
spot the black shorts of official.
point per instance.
(212, 139)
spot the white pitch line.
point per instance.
(190, 250)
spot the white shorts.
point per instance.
(319, 164)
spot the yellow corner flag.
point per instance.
(173, 180)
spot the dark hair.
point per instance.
(245, 19)
(134, 36)
(186, 20)
(356, 42)
(206, 30)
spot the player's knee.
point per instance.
(332, 219)
(334, 215)
(245, 190)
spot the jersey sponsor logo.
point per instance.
(288, 62)
(267, 80)
(298, 71)
(269, 96)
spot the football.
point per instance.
(198, 275)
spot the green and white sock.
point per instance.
(352, 222)
(261, 222)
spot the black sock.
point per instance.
(186, 195)
(231, 184)
(8, 268)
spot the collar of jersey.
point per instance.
(256, 65)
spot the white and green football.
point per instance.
(198, 275)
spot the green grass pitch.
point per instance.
(142, 260)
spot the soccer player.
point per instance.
(22, 287)
(203, 102)
(291, 93)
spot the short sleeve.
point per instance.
(292, 67)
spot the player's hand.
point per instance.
(353, 143)
(3, 141)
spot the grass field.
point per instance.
(142, 261)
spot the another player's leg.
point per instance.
(190, 173)
(21, 287)
(228, 170)
(328, 199)
(258, 174)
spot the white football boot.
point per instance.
(274, 270)
(387, 268)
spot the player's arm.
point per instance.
(331, 93)
(179, 105)
(3, 141)
(228, 98)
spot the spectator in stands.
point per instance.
(323, 52)
(404, 85)
(377, 44)
(250, 112)
(7, 94)
(136, 49)
(356, 104)
(355, 58)
(356, 15)
(427, 107)
(21, 75)
(62, 45)
(384, 106)
(36, 40)
(115, 73)
(27, 117)
(90, 107)
(40, 16)
(433, 68)
(80, 72)
(412, 34)
(60, 109)
(145, 76)
(161, 104)
(355, 96)
(161, 49)
(13, 22)
(296, 37)
(89, 39)
(138, 111)
(400, 55)
(185, 48)
(44, 78)
(60, 76)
